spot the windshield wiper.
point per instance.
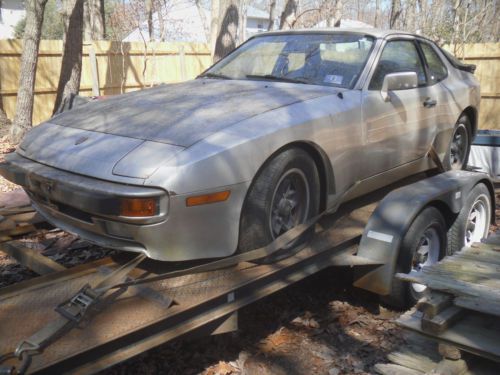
(278, 78)
(214, 75)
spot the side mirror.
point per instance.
(398, 81)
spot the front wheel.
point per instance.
(424, 244)
(285, 194)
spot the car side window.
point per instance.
(436, 67)
(398, 56)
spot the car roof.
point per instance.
(376, 33)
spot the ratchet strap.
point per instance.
(85, 303)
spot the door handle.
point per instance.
(428, 103)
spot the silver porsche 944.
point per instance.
(287, 125)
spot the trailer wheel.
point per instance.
(423, 244)
(473, 222)
(285, 193)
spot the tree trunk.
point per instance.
(227, 35)
(337, 16)
(395, 12)
(149, 15)
(289, 15)
(377, 14)
(411, 10)
(204, 21)
(272, 15)
(456, 24)
(94, 20)
(214, 25)
(71, 67)
(25, 94)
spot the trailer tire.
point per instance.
(423, 244)
(472, 222)
(256, 227)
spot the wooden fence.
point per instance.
(486, 56)
(116, 68)
(121, 67)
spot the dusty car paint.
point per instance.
(210, 135)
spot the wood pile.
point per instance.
(461, 312)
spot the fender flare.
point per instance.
(386, 228)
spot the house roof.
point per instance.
(253, 12)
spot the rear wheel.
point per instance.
(424, 244)
(459, 148)
(473, 222)
(285, 194)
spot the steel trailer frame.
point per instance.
(208, 302)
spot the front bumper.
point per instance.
(89, 208)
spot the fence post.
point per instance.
(93, 68)
(182, 62)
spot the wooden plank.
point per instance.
(15, 210)
(392, 369)
(475, 333)
(412, 360)
(442, 321)
(434, 303)
(31, 258)
(448, 283)
(491, 307)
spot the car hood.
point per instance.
(182, 114)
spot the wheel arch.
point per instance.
(471, 113)
(321, 160)
(393, 216)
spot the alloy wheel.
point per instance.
(426, 254)
(290, 202)
(477, 222)
(459, 147)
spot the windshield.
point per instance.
(319, 59)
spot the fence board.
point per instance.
(486, 56)
(123, 67)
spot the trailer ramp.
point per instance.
(139, 319)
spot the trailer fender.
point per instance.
(392, 218)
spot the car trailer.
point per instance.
(90, 317)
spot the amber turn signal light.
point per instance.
(207, 198)
(139, 207)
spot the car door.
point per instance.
(400, 130)
(445, 109)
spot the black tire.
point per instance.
(458, 231)
(430, 221)
(458, 152)
(255, 225)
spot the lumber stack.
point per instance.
(463, 306)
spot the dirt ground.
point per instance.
(321, 325)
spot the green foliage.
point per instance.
(53, 26)
(19, 28)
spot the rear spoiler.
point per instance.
(470, 68)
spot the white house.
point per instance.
(11, 12)
(256, 21)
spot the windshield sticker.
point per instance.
(331, 78)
